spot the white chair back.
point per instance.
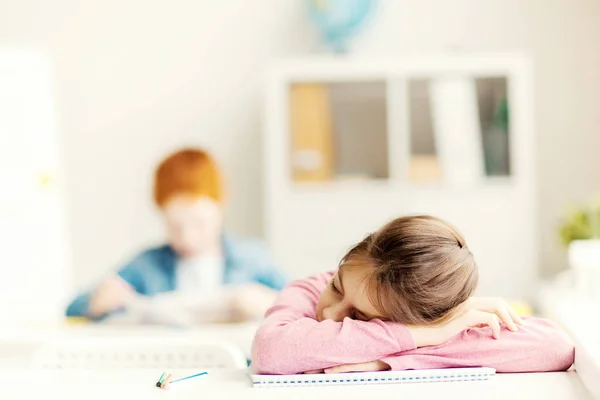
(134, 352)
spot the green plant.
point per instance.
(581, 223)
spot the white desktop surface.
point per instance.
(579, 318)
(104, 384)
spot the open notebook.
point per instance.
(369, 378)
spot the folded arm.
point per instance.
(291, 341)
(538, 346)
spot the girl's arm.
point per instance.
(291, 341)
(538, 346)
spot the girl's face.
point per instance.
(193, 224)
(346, 296)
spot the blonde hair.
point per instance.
(422, 269)
(190, 172)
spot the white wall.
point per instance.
(561, 36)
(137, 79)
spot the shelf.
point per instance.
(401, 137)
(386, 184)
(439, 129)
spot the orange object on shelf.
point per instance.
(311, 126)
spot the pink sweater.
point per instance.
(291, 341)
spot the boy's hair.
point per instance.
(422, 269)
(190, 172)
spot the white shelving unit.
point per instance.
(33, 233)
(309, 225)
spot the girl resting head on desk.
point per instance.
(202, 274)
(402, 299)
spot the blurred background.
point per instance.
(326, 118)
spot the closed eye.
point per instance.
(334, 288)
(360, 316)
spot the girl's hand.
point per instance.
(360, 367)
(475, 312)
(496, 306)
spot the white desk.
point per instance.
(579, 318)
(236, 385)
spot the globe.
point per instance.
(339, 20)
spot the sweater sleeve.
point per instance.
(291, 341)
(132, 273)
(538, 346)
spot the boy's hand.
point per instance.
(112, 294)
(251, 301)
